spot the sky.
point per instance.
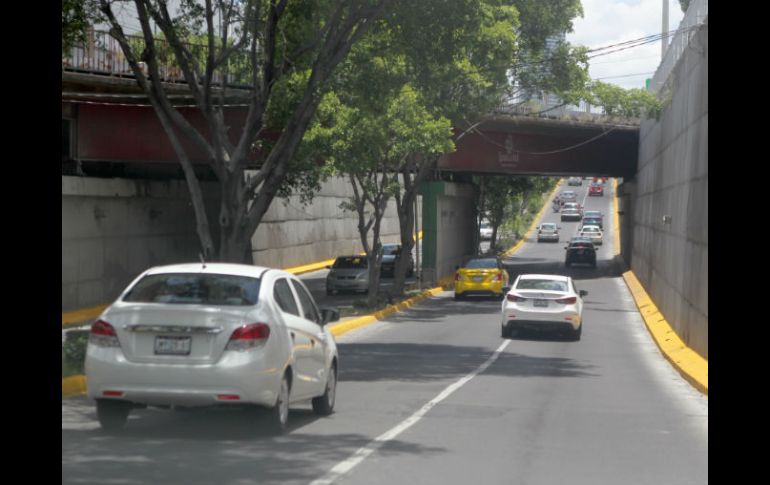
(607, 22)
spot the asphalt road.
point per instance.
(434, 395)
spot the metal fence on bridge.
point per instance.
(695, 16)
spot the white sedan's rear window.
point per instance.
(194, 288)
(548, 285)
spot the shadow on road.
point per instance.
(426, 362)
(169, 447)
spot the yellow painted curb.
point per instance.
(615, 219)
(77, 316)
(307, 268)
(347, 326)
(72, 386)
(537, 217)
(693, 367)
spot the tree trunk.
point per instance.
(405, 211)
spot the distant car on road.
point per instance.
(348, 273)
(596, 189)
(481, 276)
(594, 233)
(571, 212)
(390, 254)
(213, 334)
(596, 216)
(548, 231)
(580, 250)
(543, 302)
(567, 196)
(591, 221)
(575, 181)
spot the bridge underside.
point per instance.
(535, 146)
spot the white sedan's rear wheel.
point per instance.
(324, 405)
(279, 414)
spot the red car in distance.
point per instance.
(596, 189)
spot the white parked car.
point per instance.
(193, 335)
(594, 233)
(485, 230)
(543, 302)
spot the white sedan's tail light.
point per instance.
(567, 301)
(248, 337)
(512, 297)
(103, 335)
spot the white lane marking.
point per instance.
(345, 466)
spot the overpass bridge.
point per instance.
(525, 145)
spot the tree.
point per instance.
(288, 50)
(74, 22)
(509, 198)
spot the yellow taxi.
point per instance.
(481, 276)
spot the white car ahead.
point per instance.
(193, 335)
(543, 302)
(594, 233)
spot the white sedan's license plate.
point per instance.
(167, 345)
(543, 303)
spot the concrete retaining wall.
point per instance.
(292, 235)
(669, 201)
(113, 229)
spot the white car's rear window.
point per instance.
(548, 285)
(195, 288)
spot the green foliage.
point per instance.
(616, 101)
(74, 22)
(74, 351)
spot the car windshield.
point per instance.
(551, 285)
(351, 262)
(390, 249)
(581, 245)
(549, 227)
(596, 214)
(195, 288)
(481, 264)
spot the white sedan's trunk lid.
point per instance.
(185, 334)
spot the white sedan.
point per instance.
(594, 233)
(193, 335)
(543, 302)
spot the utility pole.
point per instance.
(664, 30)
(418, 269)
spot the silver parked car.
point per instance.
(348, 273)
(390, 254)
(192, 335)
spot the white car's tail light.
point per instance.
(248, 337)
(103, 335)
(512, 297)
(567, 301)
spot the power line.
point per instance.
(627, 75)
